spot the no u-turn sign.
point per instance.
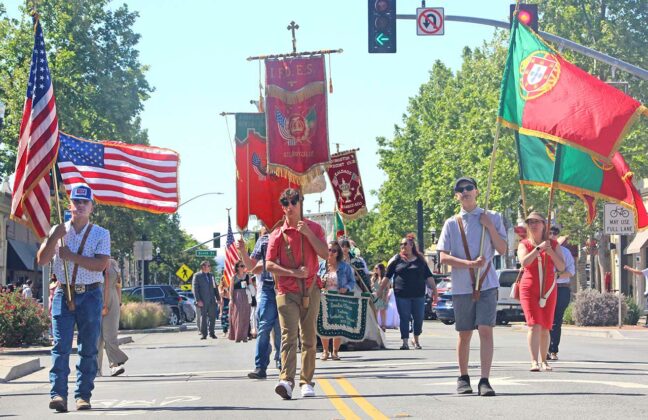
(430, 21)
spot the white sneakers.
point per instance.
(284, 389)
(116, 370)
(307, 390)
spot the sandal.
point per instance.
(534, 367)
(416, 345)
(324, 356)
(335, 356)
(546, 367)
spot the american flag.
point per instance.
(231, 254)
(126, 175)
(37, 145)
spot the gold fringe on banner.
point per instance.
(295, 177)
(348, 217)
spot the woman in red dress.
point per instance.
(538, 257)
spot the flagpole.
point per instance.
(477, 287)
(71, 304)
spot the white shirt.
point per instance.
(98, 243)
(569, 264)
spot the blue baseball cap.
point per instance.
(81, 192)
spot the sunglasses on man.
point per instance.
(285, 202)
(465, 188)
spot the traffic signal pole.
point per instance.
(558, 42)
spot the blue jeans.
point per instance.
(267, 319)
(562, 302)
(87, 318)
(410, 308)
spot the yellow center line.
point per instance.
(334, 398)
(373, 412)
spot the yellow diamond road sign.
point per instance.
(186, 287)
(184, 272)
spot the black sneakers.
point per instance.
(485, 389)
(258, 373)
(463, 385)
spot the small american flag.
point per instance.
(126, 175)
(37, 145)
(231, 254)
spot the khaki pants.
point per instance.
(293, 319)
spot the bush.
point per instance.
(22, 321)
(138, 315)
(568, 318)
(634, 313)
(593, 308)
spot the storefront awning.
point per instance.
(25, 252)
(637, 243)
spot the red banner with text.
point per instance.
(347, 185)
(296, 118)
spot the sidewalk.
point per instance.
(616, 333)
(18, 362)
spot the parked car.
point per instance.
(442, 284)
(160, 293)
(188, 309)
(508, 310)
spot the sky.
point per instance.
(197, 51)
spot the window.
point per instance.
(507, 278)
(154, 293)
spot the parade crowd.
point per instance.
(274, 294)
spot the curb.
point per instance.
(158, 330)
(44, 351)
(611, 334)
(10, 370)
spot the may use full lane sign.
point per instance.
(618, 220)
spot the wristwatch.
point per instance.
(538, 248)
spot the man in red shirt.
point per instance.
(292, 257)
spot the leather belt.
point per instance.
(562, 284)
(81, 288)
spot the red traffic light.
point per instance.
(527, 15)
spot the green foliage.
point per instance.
(449, 127)
(22, 321)
(568, 317)
(138, 315)
(633, 314)
(100, 89)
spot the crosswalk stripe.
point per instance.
(334, 398)
(372, 411)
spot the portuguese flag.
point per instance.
(338, 227)
(544, 95)
(579, 173)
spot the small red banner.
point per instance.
(347, 185)
(296, 118)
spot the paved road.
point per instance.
(176, 374)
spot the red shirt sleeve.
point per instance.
(272, 253)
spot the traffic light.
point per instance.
(216, 243)
(382, 26)
(527, 14)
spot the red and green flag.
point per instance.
(579, 173)
(546, 96)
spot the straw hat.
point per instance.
(535, 216)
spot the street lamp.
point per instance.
(199, 195)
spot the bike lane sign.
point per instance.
(618, 220)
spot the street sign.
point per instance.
(618, 220)
(186, 287)
(184, 272)
(143, 250)
(430, 21)
(205, 253)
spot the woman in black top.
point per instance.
(410, 273)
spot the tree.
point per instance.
(100, 87)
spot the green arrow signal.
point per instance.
(381, 39)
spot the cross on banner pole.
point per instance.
(292, 27)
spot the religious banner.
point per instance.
(257, 191)
(347, 185)
(296, 118)
(343, 316)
